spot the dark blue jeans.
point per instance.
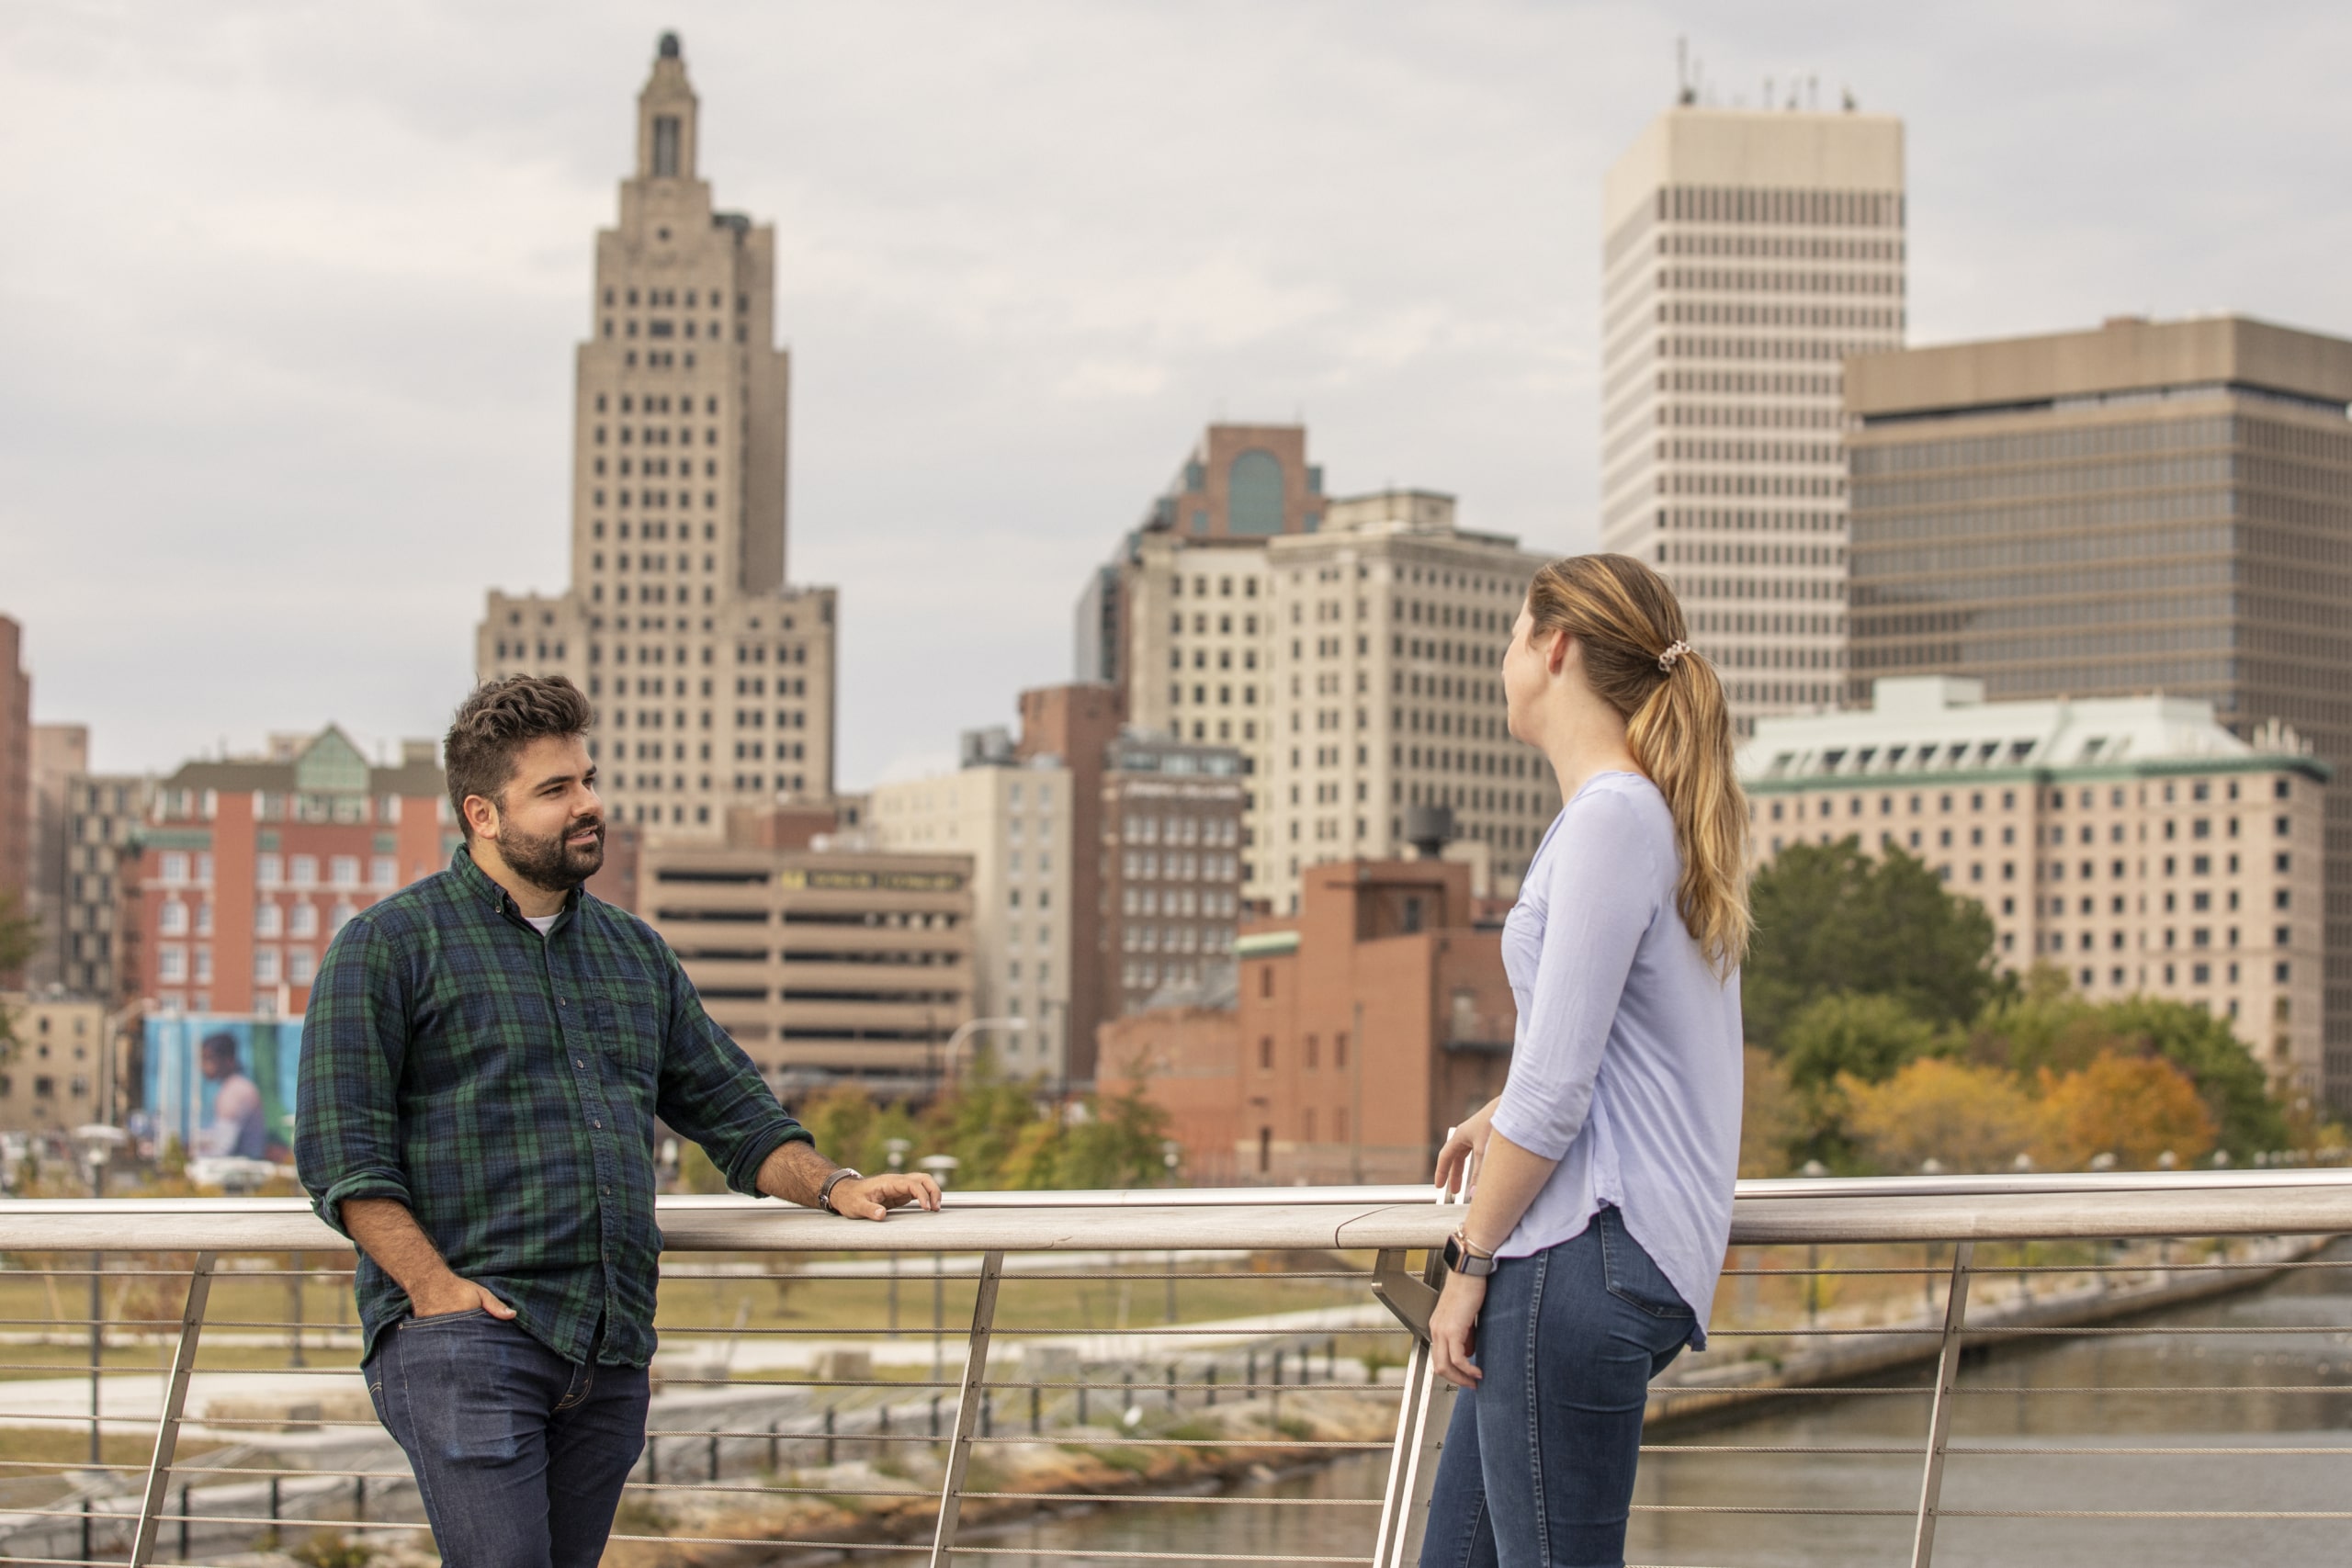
(1537, 1470)
(519, 1454)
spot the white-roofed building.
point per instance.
(2133, 843)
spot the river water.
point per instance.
(2223, 1407)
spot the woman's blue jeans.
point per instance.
(1537, 1471)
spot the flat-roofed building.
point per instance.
(826, 965)
(1170, 853)
(2132, 844)
(59, 1073)
(102, 816)
(1013, 820)
(2154, 506)
(1363, 1029)
(1746, 254)
(1351, 657)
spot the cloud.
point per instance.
(287, 311)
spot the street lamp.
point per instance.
(98, 1142)
(965, 1031)
(943, 1170)
(895, 1151)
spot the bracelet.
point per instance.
(1461, 1234)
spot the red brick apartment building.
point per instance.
(247, 867)
(1363, 1029)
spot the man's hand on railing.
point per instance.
(1463, 1146)
(872, 1196)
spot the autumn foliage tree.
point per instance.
(2135, 1108)
(1962, 1116)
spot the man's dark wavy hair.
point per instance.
(495, 723)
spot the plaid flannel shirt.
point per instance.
(503, 1085)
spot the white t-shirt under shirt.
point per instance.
(542, 923)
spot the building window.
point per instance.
(665, 146)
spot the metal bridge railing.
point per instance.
(935, 1385)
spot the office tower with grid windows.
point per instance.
(2152, 507)
(1745, 255)
(713, 676)
(1348, 648)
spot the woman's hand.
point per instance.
(1454, 1326)
(1464, 1144)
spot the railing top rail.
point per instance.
(1921, 1209)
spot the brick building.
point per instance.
(1075, 725)
(60, 753)
(246, 868)
(1364, 1028)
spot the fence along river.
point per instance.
(2060, 1424)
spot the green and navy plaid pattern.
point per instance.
(504, 1086)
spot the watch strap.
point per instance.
(825, 1192)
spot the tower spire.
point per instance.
(666, 117)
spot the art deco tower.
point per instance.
(713, 677)
(1747, 256)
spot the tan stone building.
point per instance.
(2158, 507)
(826, 965)
(1745, 256)
(714, 677)
(57, 1073)
(16, 770)
(1013, 820)
(1353, 659)
(61, 752)
(2132, 844)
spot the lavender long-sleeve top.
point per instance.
(1625, 1066)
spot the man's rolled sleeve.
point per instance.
(354, 1035)
(711, 1091)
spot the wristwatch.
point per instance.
(825, 1193)
(1462, 1258)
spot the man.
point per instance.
(236, 1128)
(484, 1059)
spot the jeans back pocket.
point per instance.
(1632, 1275)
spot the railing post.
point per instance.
(968, 1408)
(167, 1425)
(1421, 1417)
(1931, 1483)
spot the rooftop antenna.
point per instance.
(1684, 92)
(1847, 94)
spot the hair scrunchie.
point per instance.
(1673, 654)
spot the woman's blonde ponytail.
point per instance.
(1678, 725)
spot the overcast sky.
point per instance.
(288, 292)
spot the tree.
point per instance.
(979, 1120)
(1830, 918)
(2232, 1085)
(19, 940)
(2135, 1108)
(1112, 1143)
(1771, 1121)
(1957, 1113)
(2050, 1029)
(1870, 1037)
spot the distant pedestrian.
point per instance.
(1588, 1253)
(485, 1054)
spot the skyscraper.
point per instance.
(1745, 256)
(2150, 507)
(713, 677)
(1348, 648)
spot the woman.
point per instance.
(1588, 1256)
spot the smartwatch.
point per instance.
(825, 1193)
(1461, 1259)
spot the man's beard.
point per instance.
(549, 863)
